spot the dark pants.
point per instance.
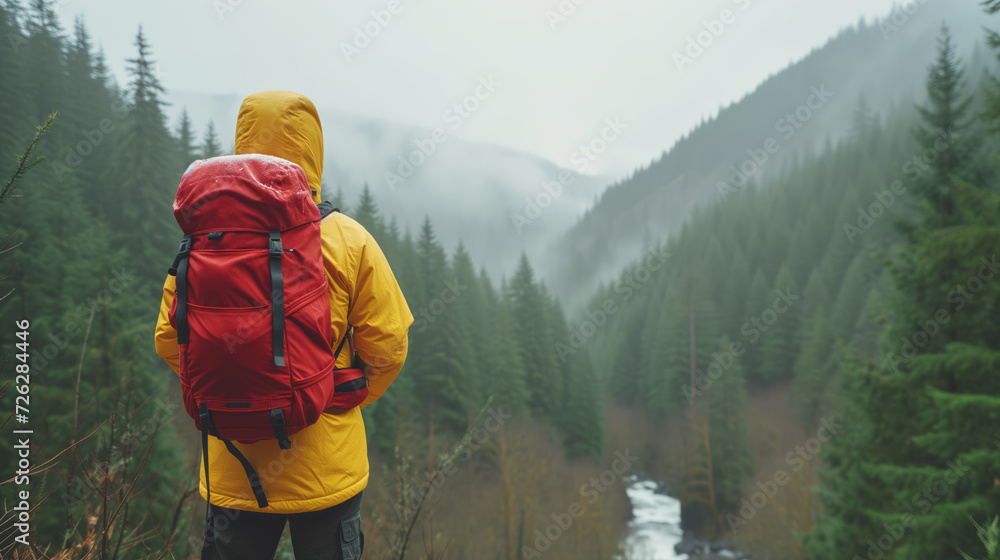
(329, 534)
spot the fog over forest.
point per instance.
(688, 280)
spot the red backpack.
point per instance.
(251, 310)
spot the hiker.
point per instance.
(312, 478)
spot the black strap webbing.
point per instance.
(258, 490)
(352, 385)
(326, 208)
(206, 419)
(341, 346)
(280, 430)
(277, 299)
(207, 427)
(180, 268)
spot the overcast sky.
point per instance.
(559, 77)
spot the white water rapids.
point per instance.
(656, 526)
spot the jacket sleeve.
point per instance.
(166, 335)
(380, 317)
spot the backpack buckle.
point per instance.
(274, 245)
(206, 419)
(280, 430)
(185, 245)
(182, 253)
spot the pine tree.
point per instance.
(815, 295)
(535, 340)
(945, 131)
(862, 119)
(727, 411)
(210, 146)
(185, 141)
(505, 374)
(339, 201)
(470, 315)
(366, 213)
(581, 416)
(734, 294)
(688, 335)
(871, 322)
(751, 335)
(853, 292)
(96, 114)
(44, 51)
(916, 446)
(813, 369)
(666, 358)
(991, 103)
(441, 353)
(13, 96)
(145, 176)
(780, 320)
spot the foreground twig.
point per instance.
(24, 161)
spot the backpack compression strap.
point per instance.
(275, 251)
(208, 427)
(277, 298)
(341, 345)
(280, 429)
(179, 269)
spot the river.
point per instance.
(656, 526)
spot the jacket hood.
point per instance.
(283, 124)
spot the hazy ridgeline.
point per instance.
(841, 316)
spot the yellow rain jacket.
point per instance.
(328, 461)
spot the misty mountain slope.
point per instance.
(886, 65)
(470, 190)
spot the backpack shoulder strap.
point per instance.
(326, 208)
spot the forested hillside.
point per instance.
(115, 456)
(807, 359)
(880, 62)
(862, 277)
